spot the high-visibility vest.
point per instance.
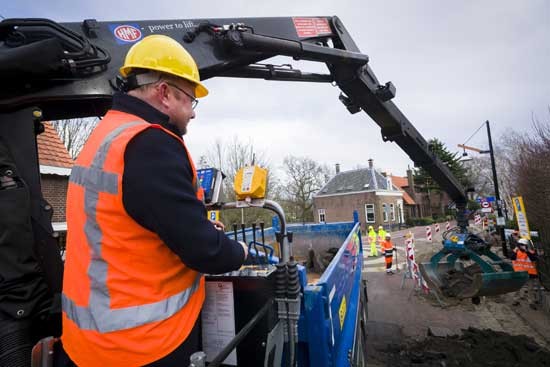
(387, 246)
(372, 236)
(523, 263)
(381, 235)
(128, 300)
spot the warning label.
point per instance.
(342, 312)
(311, 27)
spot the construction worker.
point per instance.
(524, 259)
(372, 241)
(388, 249)
(138, 234)
(514, 238)
(381, 234)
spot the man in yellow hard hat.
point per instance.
(138, 235)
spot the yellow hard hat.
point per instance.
(370, 227)
(164, 54)
(380, 227)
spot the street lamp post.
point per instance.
(497, 192)
(495, 182)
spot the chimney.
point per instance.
(337, 166)
(410, 179)
(371, 164)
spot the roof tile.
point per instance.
(402, 182)
(51, 151)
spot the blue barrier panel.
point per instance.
(331, 305)
(320, 236)
(329, 311)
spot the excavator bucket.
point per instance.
(482, 278)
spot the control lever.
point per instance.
(254, 233)
(254, 242)
(262, 231)
(235, 231)
(243, 226)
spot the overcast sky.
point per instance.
(455, 64)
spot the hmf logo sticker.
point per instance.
(126, 33)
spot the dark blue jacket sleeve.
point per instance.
(158, 194)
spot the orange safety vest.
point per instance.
(523, 263)
(386, 246)
(127, 298)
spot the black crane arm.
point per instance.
(69, 69)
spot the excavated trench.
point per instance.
(473, 348)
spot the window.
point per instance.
(369, 213)
(400, 213)
(322, 217)
(389, 183)
(385, 212)
(392, 212)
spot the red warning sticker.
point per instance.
(311, 27)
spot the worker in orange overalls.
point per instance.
(388, 249)
(524, 259)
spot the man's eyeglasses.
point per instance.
(194, 101)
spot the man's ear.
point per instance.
(163, 92)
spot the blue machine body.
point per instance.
(456, 243)
(329, 308)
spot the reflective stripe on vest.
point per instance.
(523, 263)
(98, 315)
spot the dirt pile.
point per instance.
(474, 347)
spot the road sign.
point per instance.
(477, 219)
(521, 217)
(488, 198)
(485, 204)
(214, 214)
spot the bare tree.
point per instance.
(75, 132)
(480, 173)
(230, 157)
(481, 176)
(304, 178)
(530, 166)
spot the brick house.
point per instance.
(55, 169)
(420, 204)
(410, 207)
(373, 195)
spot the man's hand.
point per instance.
(245, 248)
(219, 225)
